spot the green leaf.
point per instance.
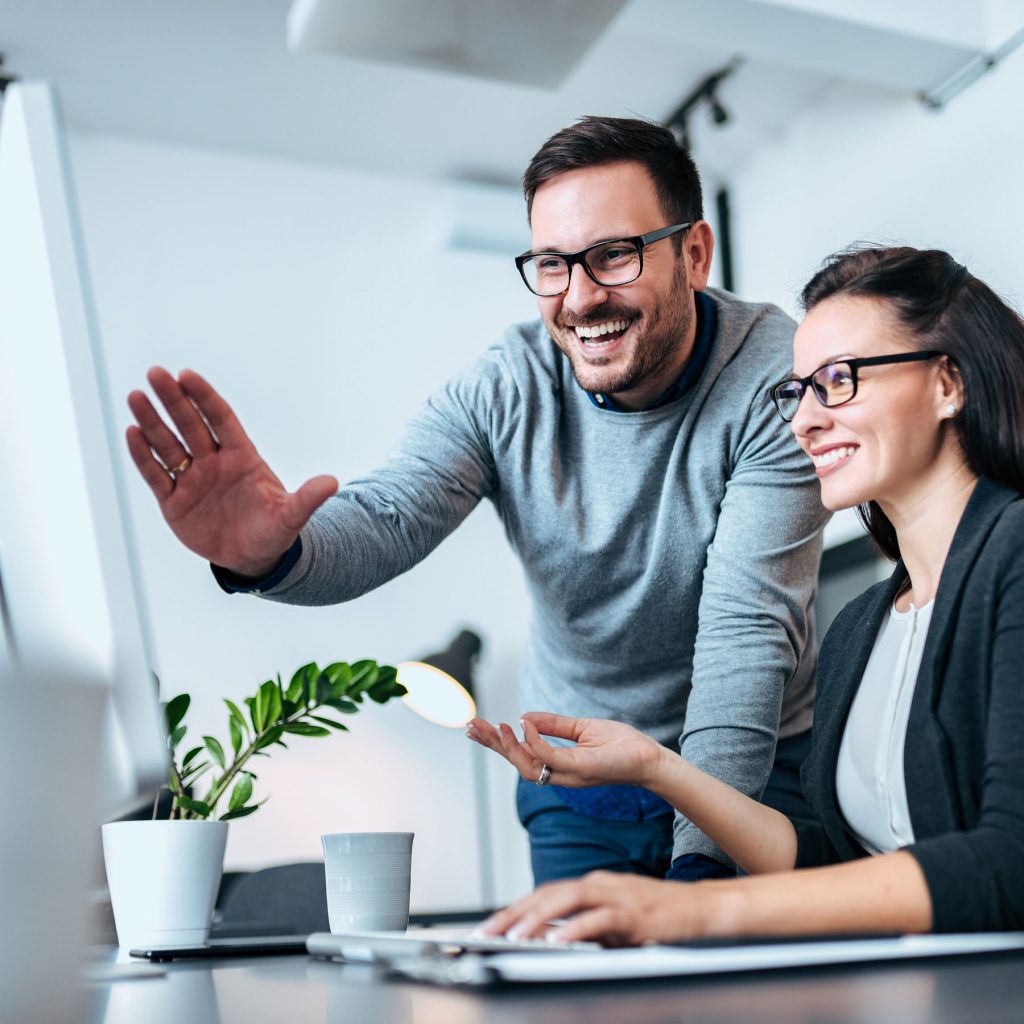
(236, 715)
(387, 674)
(236, 737)
(301, 729)
(255, 714)
(178, 735)
(322, 690)
(194, 752)
(364, 675)
(346, 707)
(190, 774)
(270, 699)
(340, 675)
(240, 812)
(272, 735)
(331, 722)
(215, 749)
(196, 807)
(384, 690)
(241, 793)
(174, 711)
(288, 708)
(302, 683)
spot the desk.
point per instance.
(298, 990)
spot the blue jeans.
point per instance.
(567, 844)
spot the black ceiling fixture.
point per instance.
(704, 92)
(6, 78)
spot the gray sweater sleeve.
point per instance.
(755, 616)
(378, 527)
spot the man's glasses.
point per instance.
(609, 264)
(834, 383)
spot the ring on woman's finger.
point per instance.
(545, 776)
(180, 468)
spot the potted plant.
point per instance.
(164, 874)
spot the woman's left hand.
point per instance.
(603, 752)
(614, 909)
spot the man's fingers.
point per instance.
(152, 470)
(307, 499)
(217, 413)
(183, 413)
(157, 435)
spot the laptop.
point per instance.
(465, 959)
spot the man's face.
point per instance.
(649, 323)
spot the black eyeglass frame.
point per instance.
(854, 365)
(572, 258)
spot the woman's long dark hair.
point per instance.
(944, 307)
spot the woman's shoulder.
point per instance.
(992, 526)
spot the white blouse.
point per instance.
(870, 785)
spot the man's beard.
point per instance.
(655, 345)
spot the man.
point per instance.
(667, 523)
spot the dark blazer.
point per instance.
(964, 752)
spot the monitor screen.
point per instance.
(71, 597)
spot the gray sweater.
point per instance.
(671, 554)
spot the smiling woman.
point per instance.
(916, 372)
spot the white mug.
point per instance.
(368, 877)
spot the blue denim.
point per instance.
(565, 843)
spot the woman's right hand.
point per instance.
(605, 752)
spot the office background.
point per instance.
(328, 239)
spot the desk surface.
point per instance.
(299, 990)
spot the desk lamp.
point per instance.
(441, 685)
(441, 691)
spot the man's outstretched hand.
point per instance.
(217, 494)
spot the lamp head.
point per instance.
(441, 685)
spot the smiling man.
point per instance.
(667, 523)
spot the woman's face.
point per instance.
(888, 443)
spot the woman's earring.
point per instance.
(951, 409)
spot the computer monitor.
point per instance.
(70, 595)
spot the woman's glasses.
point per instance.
(834, 383)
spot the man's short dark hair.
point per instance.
(594, 141)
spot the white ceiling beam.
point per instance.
(530, 42)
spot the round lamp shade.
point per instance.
(435, 695)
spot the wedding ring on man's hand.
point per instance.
(180, 467)
(545, 776)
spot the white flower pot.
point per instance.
(163, 878)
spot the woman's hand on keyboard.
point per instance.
(614, 909)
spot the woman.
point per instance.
(908, 395)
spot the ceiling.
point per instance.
(218, 73)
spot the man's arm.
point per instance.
(379, 526)
(753, 618)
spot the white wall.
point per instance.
(879, 166)
(325, 306)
